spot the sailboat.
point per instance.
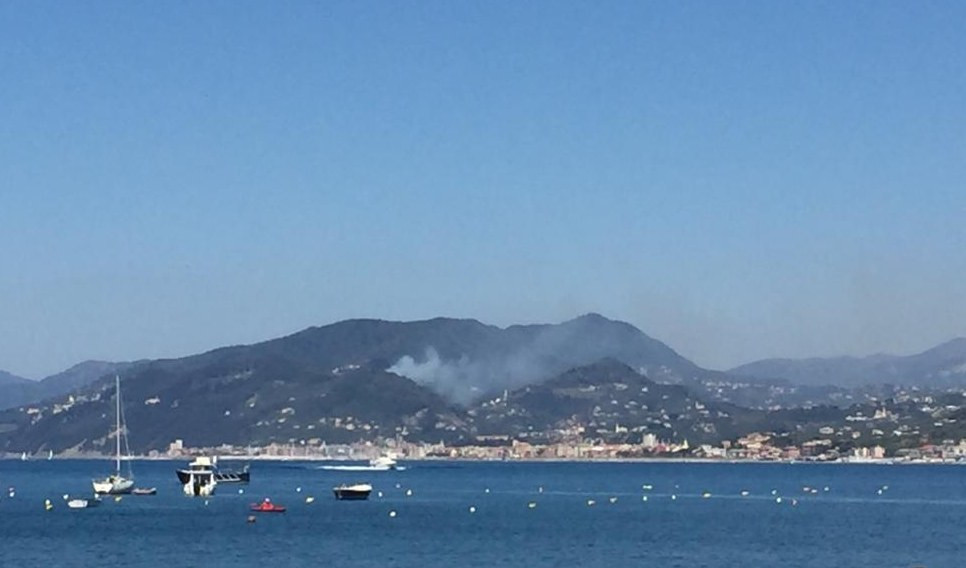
(116, 484)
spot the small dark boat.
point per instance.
(144, 491)
(267, 506)
(242, 476)
(357, 492)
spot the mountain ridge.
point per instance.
(941, 366)
(236, 392)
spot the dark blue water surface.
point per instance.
(920, 519)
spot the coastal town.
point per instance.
(755, 447)
(911, 426)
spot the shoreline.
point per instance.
(654, 460)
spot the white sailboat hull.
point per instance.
(113, 486)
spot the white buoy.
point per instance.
(674, 497)
(774, 492)
(532, 504)
(310, 499)
(744, 493)
(298, 489)
(647, 487)
(487, 490)
(409, 493)
(540, 489)
(591, 502)
(379, 494)
(206, 502)
(398, 485)
(778, 499)
(472, 509)
(392, 513)
(240, 491)
(825, 488)
(613, 500)
(66, 496)
(48, 505)
(706, 494)
(644, 498)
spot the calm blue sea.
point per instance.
(918, 520)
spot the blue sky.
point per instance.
(740, 180)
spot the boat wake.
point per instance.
(353, 468)
(359, 468)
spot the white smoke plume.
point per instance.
(455, 380)
(535, 354)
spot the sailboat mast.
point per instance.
(117, 415)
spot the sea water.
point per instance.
(497, 514)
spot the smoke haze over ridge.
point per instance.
(532, 353)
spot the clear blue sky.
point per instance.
(738, 179)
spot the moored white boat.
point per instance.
(83, 503)
(198, 480)
(221, 476)
(113, 485)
